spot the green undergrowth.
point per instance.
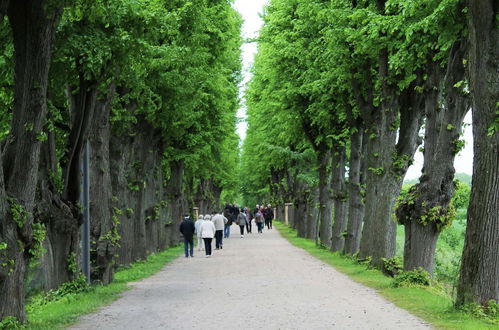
(45, 312)
(431, 303)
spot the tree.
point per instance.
(479, 274)
(392, 121)
(33, 26)
(427, 208)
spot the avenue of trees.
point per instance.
(343, 94)
(152, 87)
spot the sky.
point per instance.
(251, 11)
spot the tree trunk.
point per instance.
(355, 203)
(176, 197)
(479, 275)
(103, 229)
(325, 202)
(387, 164)
(298, 218)
(139, 200)
(217, 193)
(339, 199)
(378, 234)
(387, 159)
(82, 111)
(203, 196)
(312, 214)
(62, 221)
(121, 155)
(426, 209)
(33, 29)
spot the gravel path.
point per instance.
(260, 281)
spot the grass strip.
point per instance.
(61, 313)
(428, 303)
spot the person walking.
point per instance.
(234, 212)
(256, 209)
(249, 216)
(269, 215)
(207, 232)
(241, 221)
(219, 222)
(228, 216)
(259, 221)
(197, 225)
(187, 229)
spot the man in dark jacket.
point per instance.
(187, 229)
(268, 215)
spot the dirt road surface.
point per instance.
(260, 281)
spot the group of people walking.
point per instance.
(217, 225)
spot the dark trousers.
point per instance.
(248, 226)
(241, 228)
(260, 226)
(188, 246)
(268, 222)
(218, 238)
(207, 245)
(226, 231)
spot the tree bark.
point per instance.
(387, 164)
(61, 219)
(139, 193)
(339, 198)
(304, 203)
(378, 234)
(33, 30)
(101, 213)
(176, 196)
(479, 274)
(355, 203)
(325, 201)
(299, 219)
(312, 213)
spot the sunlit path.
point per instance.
(260, 281)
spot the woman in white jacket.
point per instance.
(207, 232)
(198, 224)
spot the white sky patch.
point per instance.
(251, 11)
